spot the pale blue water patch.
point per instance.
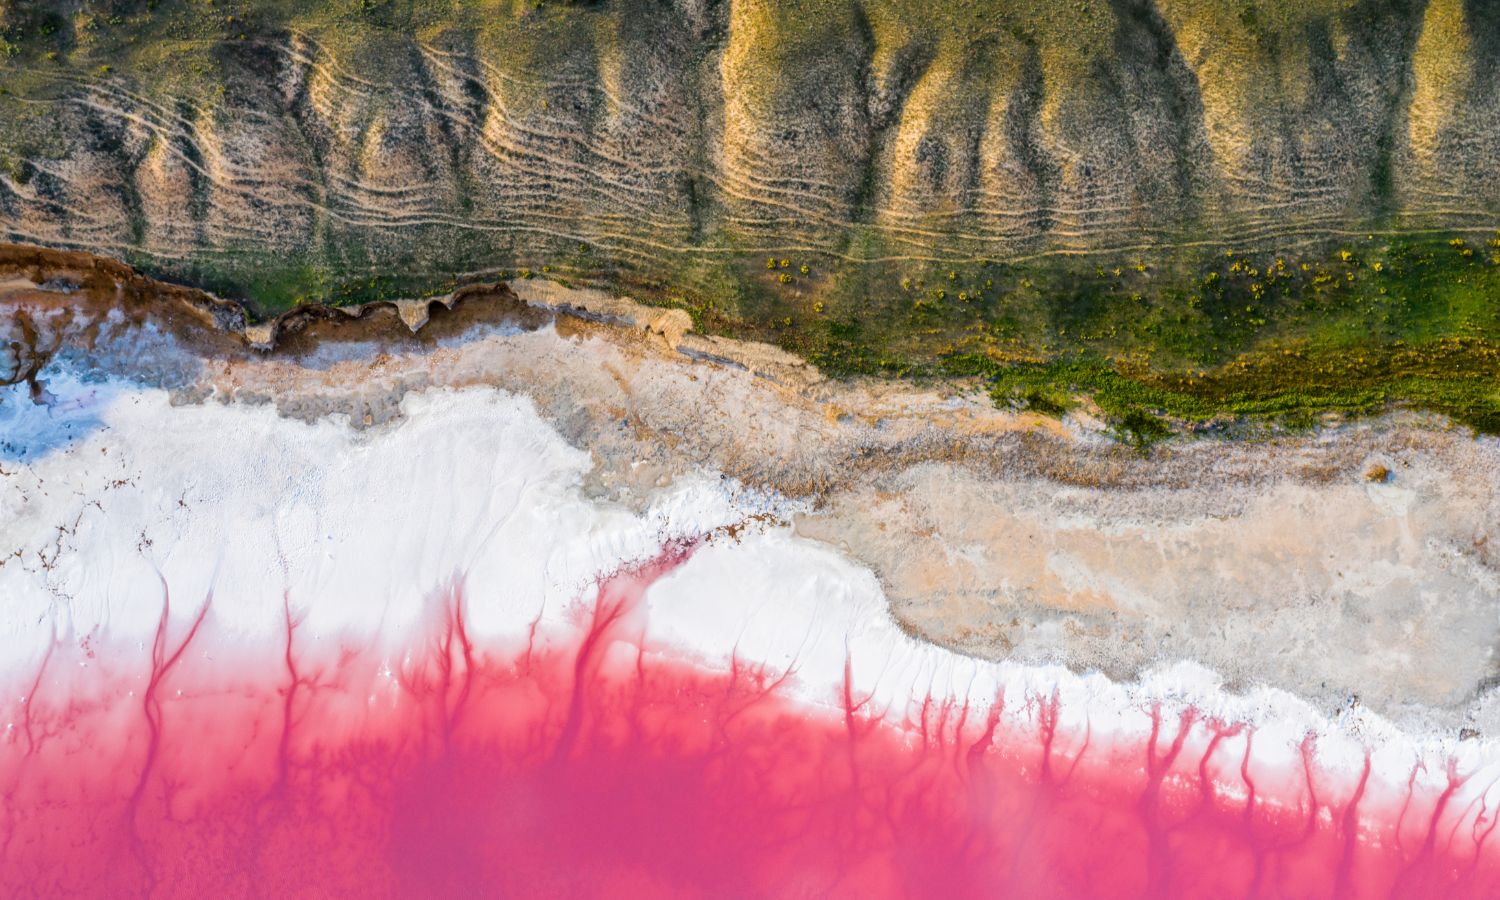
(70, 409)
(481, 330)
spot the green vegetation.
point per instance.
(1216, 343)
(1224, 343)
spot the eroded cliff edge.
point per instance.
(297, 149)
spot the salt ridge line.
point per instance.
(832, 631)
(848, 642)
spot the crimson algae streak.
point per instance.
(590, 761)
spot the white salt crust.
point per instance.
(110, 492)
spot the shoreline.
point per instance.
(942, 494)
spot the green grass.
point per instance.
(277, 288)
(1456, 378)
(1220, 341)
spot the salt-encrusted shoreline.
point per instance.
(1004, 537)
(122, 498)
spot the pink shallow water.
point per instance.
(577, 765)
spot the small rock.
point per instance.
(671, 324)
(10, 363)
(414, 313)
(261, 336)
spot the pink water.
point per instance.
(578, 765)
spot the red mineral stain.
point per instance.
(580, 763)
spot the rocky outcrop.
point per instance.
(611, 137)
